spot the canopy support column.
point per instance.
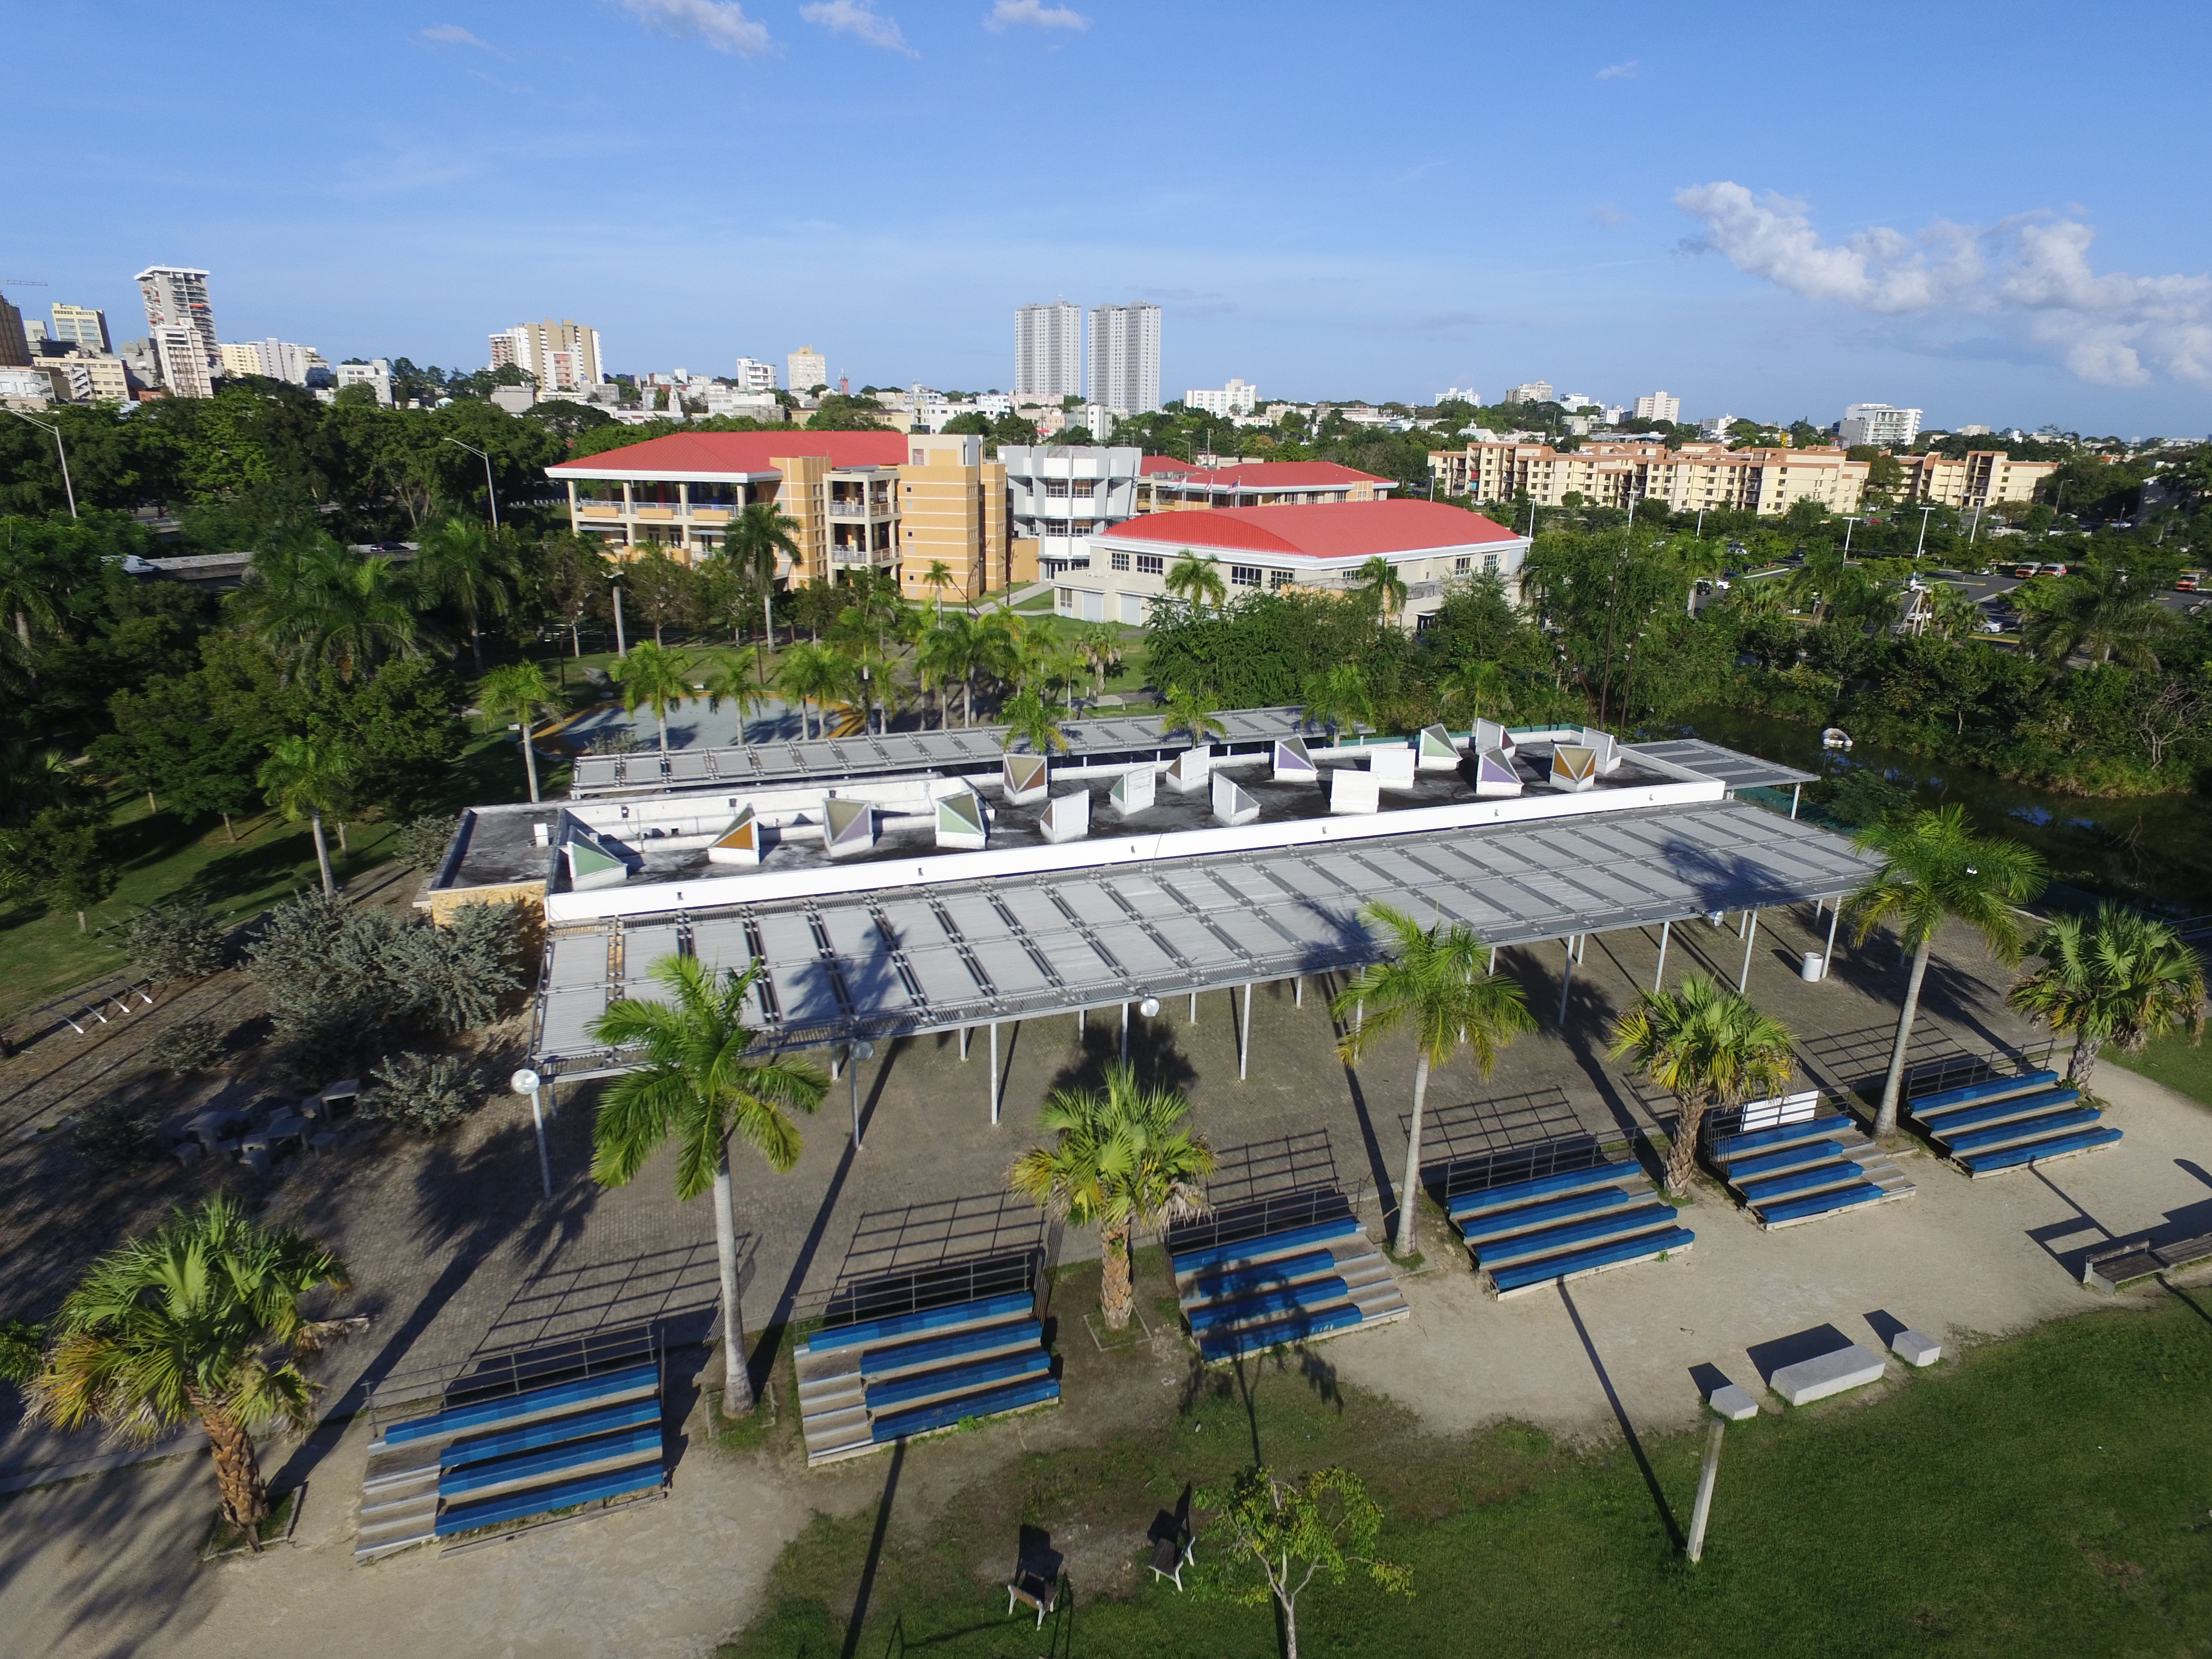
(1750, 934)
(994, 1073)
(1567, 978)
(1659, 973)
(1244, 1039)
(1834, 916)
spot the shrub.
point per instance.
(422, 842)
(177, 941)
(193, 1045)
(617, 740)
(116, 1134)
(423, 1093)
(453, 977)
(22, 1347)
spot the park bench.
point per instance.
(1613, 1253)
(2124, 1264)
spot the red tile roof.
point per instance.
(1260, 475)
(689, 454)
(1322, 530)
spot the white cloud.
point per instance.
(859, 17)
(1009, 13)
(452, 35)
(1627, 71)
(722, 24)
(2030, 274)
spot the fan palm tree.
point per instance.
(1100, 645)
(520, 689)
(1437, 985)
(2122, 981)
(467, 564)
(754, 538)
(701, 1083)
(653, 677)
(1196, 580)
(1338, 699)
(303, 778)
(1698, 561)
(1123, 1162)
(1706, 1045)
(199, 1322)
(1380, 585)
(1933, 868)
(816, 674)
(1191, 712)
(1029, 719)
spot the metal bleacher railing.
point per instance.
(1518, 1164)
(1260, 1218)
(1957, 1070)
(515, 1371)
(942, 1285)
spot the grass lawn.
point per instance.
(2173, 1060)
(2045, 1495)
(164, 857)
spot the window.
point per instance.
(921, 459)
(1460, 566)
(1280, 579)
(1490, 564)
(1121, 561)
(1151, 564)
(1243, 575)
(1056, 489)
(1067, 598)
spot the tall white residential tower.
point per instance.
(1049, 350)
(1125, 358)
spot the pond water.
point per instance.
(2154, 851)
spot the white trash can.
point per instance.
(1809, 970)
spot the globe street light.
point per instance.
(55, 433)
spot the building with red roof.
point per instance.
(1266, 549)
(1167, 485)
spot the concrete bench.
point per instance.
(1809, 1380)
(1733, 1402)
(1916, 1348)
(2122, 1264)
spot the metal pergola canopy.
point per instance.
(1738, 771)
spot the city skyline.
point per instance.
(1628, 246)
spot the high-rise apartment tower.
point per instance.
(1125, 358)
(177, 297)
(1049, 350)
(83, 326)
(563, 356)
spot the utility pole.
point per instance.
(491, 489)
(55, 433)
(1851, 523)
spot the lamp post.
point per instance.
(1851, 523)
(861, 1050)
(1922, 542)
(491, 489)
(528, 1081)
(55, 433)
(614, 586)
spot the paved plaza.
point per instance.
(455, 1253)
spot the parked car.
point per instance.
(2189, 582)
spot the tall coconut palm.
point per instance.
(700, 1084)
(1197, 581)
(303, 778)
(1123, 1163)
(1706, 1045)
(1933, 866)
(1029, 719)
(2122, 980)
(2074, 615)
(1191, 712)
(731, 680)
(1437, 986)
(1100, 644)
(199, 1322)
(1383, 588)
(520, 689)
(754, 538)
(653, 677)
(1338, 699)
(957, 649)
(319, 604)
(939, 577)
(938, 663)
(818, 675)
(467, 564)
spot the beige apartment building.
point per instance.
(1617, 474)
(885, 501)
(1982, 478)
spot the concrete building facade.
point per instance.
(1057, 494)
(15, 342)
(805, 369)
(183, 359)
(1659, 406)
(1982, 478)
(1237, 398)
(1049, 350)
(176, 297)
(1879, 423)
(1125, 358)
(1167, 486)
(563, 356)
(82, 326)
(1608, 474)
(753, 376)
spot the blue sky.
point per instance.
(1765, 210)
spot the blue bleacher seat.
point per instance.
(1313, 1293)
(1521, 1191)
(946, 1412)
(543, 1500)
(2020, 1129)
(1840, 1198)
(561, 1397)
(629, 1444)
(1982, 1091)
(2011, 1157)
(876, 1362)
(551, 1431)
(1236, 1280)
(866, 1331)
(1551, 1240)
(1750, 1169)
(1246, 1249)
(1958, 1120)
(1559, 1267)
(1760, 1192)
(1000, 1368)
(1250, 1339)
(1730, 1147)
(1500, 1223)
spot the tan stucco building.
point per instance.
(1617, 474)
(1982, 478)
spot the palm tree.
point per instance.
(937, 664)
(198, 1322)
(699, 1084)
(1698, 561)
(957, 649)
(1100, 645)
(304, 778)
(520, 689)
(1706, 1044)
(1338, 699)
(2125, 980)
(1191, 712)
(2074, 615)
(1198, 580)
(653, 677)
(754, 537)
(467, 564)
(816, 674)
(26, 584)
(1472, 685)
(1437, 986)
(731, 680)
(1933, 866)
(939, 577)
(319, 605)
(1382, 586)
(1122, 1163)
(1029, 718)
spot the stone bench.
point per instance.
(1851, 1367)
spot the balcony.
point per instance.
(874, 510)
